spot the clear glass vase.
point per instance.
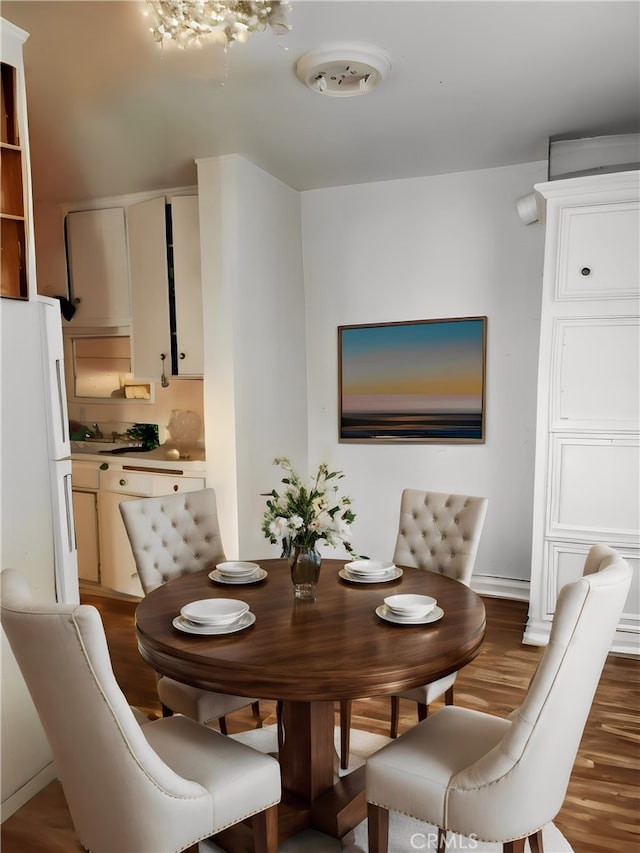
(305, 571)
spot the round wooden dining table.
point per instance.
(308, 655)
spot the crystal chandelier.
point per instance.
(221, 21)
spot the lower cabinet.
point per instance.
(104, 552)
(85, 482)
(85, 512)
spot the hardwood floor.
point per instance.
(601, 812)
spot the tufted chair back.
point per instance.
(440, 532)
(173, 535)
(170, 536)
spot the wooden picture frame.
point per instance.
(414, 381)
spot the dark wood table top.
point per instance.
(333, 648)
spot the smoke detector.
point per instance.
(343, 70)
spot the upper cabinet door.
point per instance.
(148, 268)
(187, 281)
(98, 272)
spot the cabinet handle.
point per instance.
(176, 487)
(163, 378)
(123, 482)
(585, 271)
(77, 300)
(182, 356)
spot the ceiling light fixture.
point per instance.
(343, 70)
(221, 21)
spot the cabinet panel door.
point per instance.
(117, 566)
(187, 278)
(600, 251)
(595, 380)
(98, 272)
(566, 562)
(85, 511)
(594, 498)
(150, 330)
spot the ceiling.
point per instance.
(472, 85)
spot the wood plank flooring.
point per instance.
(601, 812)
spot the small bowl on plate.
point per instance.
(237, 568)
(214, 611)
(415, 606)
(368, 567)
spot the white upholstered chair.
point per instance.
(132, 785)
(439, 533)
(502, 780)
(171, 536)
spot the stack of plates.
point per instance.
(370, 571)
(410, 610)
(214, 616)
(237, 571)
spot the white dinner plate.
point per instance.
(384, 577)
(368, 567)
(384, 613)
(258, 575)
(240, 624)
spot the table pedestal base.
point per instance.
(310, 795)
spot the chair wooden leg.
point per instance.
(519, 845)
(279, 728)
(265, 830)
(395, 716)
(535, 842)
(516, 846)
(423, 710)
(223, 725)
(448, 696)
(442, 840)
(345, 732)
(378, 828)
(255, 708)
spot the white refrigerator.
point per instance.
(37, 534)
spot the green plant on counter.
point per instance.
(79, 432)
(146, 434)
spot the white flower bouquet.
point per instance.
(307, 512)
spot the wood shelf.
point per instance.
(13, 267)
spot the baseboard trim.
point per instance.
(27, 791)
(496, 587)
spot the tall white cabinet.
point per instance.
(587, 469)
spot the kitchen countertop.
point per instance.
(144, 459)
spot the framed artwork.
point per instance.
(420, 381)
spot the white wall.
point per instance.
(444, 246)
(255, 368)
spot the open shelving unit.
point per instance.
(13, 273)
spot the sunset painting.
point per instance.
(421, 380)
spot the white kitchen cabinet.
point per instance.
(166, 289)
(187, 282)
(85, 511)
(98, 267)
(117, 566)
(85, 480)
(587, 468)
